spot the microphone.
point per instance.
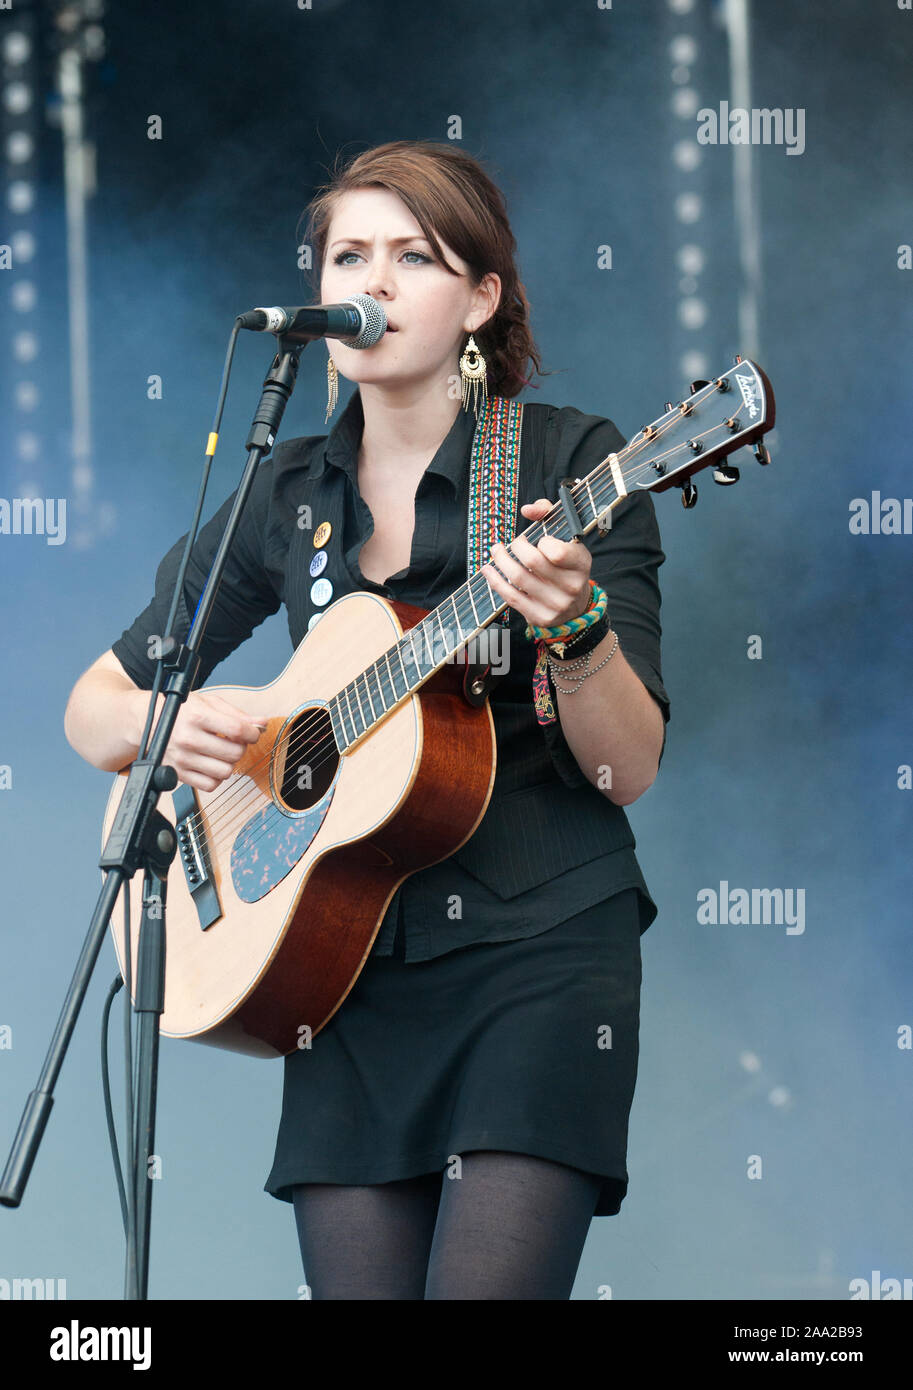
(360, 320)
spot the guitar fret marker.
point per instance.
(351, 715)
(440, 624)
(360, 707)
(370, 701)
(357, 707)
(350, 734)
(457, 617)
(617, 476)
(390, 673)
(336, 721)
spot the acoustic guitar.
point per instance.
(377, 761)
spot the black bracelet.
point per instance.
(586, 641)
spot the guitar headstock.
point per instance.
(718, 417)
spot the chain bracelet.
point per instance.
(583, 661)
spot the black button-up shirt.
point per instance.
(550, 844)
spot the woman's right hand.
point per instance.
(209, 737)
(106, 715)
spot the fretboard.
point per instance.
(421, 651)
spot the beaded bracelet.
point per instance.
(562, 631)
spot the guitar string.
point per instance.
(297, 737)
(237, 798)
(242, 799)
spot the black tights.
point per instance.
(510, 1227)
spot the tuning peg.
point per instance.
(698, 386)
(689, 493)
(762, 453)
(725, 473)
(668, 406)
(737, 359)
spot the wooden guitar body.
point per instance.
(299, 852)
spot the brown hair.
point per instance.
(447, 192)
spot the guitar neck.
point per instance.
(454, 623)
(719, 417)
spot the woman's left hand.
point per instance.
(549, 583)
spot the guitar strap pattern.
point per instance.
(493, 481)
(493, 476)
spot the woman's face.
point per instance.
(376, 247)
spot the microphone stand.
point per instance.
(141, 837)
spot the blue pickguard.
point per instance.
(270, 845)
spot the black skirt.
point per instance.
(529, 1046)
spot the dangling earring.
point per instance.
(332, 388)
(473, 372)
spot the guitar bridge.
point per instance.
(194, 854)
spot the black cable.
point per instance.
(191, 538)
(130, 1119)
(116, 984)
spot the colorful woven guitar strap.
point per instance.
(493, 479)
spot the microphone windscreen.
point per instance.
(375, 321)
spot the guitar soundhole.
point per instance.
(311, 759)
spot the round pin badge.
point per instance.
(321, 590)
(314, 618)
(319, 563)
(322, 534)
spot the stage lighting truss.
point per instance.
(19, 136)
